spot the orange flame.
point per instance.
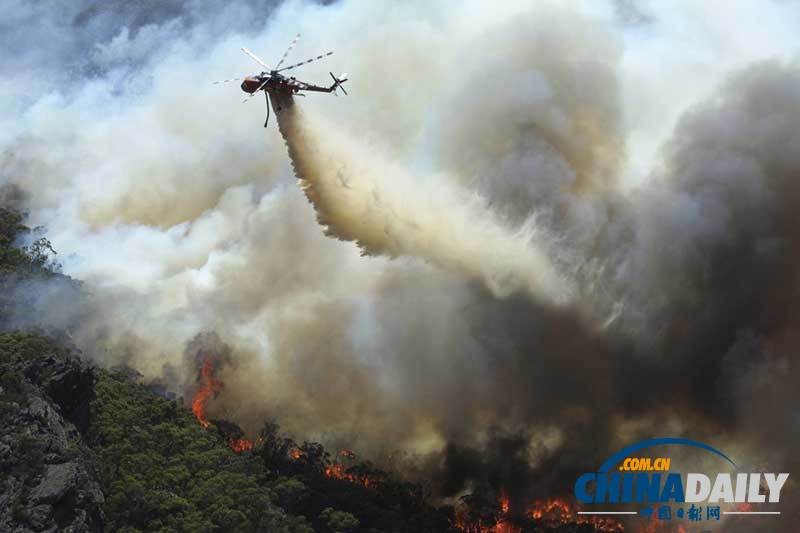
(209, 386)
(548, 514)
(501, 524)
(240, 445)
(504, 506)
(337, 471)
(557, 508)
(559, 511)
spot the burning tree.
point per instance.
(208, 387)
(309, 480)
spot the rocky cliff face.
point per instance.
(48, 474)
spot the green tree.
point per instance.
(339, 521)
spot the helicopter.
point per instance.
(280, 86)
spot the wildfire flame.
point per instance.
(559, 511)
(549, 514)
(662, 526)
(501, 523)
(337, 471)
(241, 445)
(209, 386)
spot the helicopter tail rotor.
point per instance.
(337, 82)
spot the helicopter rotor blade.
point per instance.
(306, 61)
(225, 81)
(255, 58)
(291, 45)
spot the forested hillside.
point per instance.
(90, 449)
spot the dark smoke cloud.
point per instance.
(707, 274)
(703, 266)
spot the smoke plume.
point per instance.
(363, 198)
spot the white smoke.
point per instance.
(364, 198)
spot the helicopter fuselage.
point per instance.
(274, 83)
